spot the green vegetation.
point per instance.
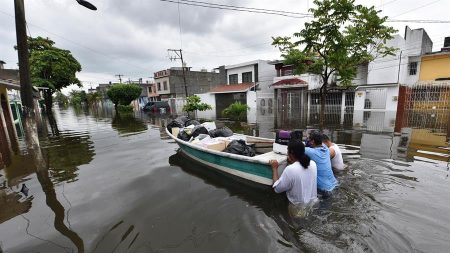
(51, 67)
(78, 97)
(125, 108)
(93, 98)
(194, 103)
(236, 111)
(341, 37)
(123, 94)
(61, 99)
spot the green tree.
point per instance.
(124, 94)
(340, 37)
(61, 99)
(236, 111)
(77, 97)
(93, 98)
(51, 67)
(194, 103)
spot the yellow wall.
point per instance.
(434, 66)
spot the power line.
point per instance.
(293, 14)
(420, 7)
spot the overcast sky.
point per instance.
(132, 37)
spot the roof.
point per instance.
(10, 84)
(290, 81)
(233, 88)
(9, 74)
(244, 64)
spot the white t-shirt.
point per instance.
(337, 162)
(300, 184)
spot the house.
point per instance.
(426, 104)
(260, 72)
(152, 93)
(248, 83)
(170, 82)
(298, 98)
(376, 94)
(9, 83)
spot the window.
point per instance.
(287, 72)
(233, 79)
(159, 86)
(149, 89)
(247, 77)
(165, 85)
(412, 68)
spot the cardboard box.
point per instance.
(218, 146)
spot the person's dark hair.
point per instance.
(316, 137)
(297, 149)
(326, 138)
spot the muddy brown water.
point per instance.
(110, 184)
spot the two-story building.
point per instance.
(376, 101)
(426, 104)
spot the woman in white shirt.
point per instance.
(299, 178)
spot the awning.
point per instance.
(233, 88)
(290, 83)
(10, 84)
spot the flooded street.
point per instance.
(117, 184)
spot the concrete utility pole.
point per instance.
(120, 77)
(179, 56)
(26, 89)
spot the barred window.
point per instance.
(412, 68)
(233, 79)
(247, 77)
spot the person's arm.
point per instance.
(309, 152)
(280, 184)
(332, 152)
(274, 164)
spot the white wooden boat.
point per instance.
(256, 169)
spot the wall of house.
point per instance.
(161, 81)
(435, 66)
(197, 82)
(382, 118)
(210, 99)
(251, 102)
(266, 73)
(239, 71)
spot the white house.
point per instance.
(376, 99)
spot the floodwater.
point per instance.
(103, 183)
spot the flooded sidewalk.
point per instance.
(119, 184)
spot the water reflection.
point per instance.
(127, 124)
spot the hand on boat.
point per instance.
(274, 164)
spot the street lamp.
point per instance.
(87, 5)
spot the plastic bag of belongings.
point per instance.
(239, 147)
(221, 132)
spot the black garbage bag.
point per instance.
(191, 122)
(182, 119)
(174, 123)
(197, 130)
(240, 148)
(182, 135)
(221, 132)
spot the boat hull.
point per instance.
(255, 172)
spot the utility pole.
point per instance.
(120, 77)
(179, 56)
(26, 89)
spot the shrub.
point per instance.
(194, 103)
(125, 108)
(123, 94)
(236, 111)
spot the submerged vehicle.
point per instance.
(157, 107)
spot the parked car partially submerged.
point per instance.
(157, 107)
